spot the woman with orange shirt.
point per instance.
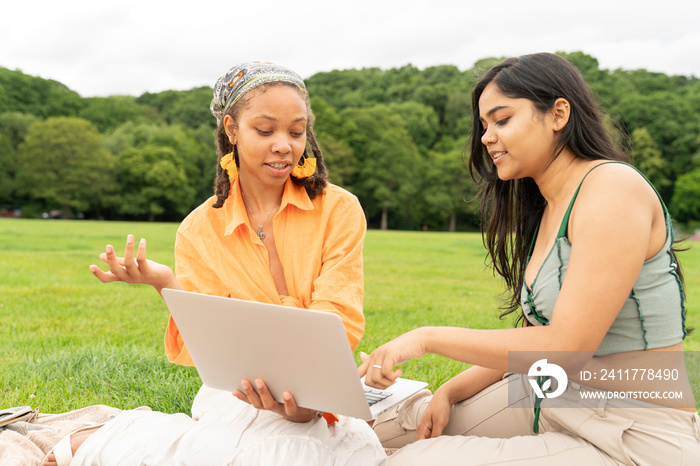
(275, 231)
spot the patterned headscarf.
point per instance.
(245, 77)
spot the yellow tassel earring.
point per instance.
(306, 169)
(228, 163)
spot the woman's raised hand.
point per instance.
(378, 367)
(134, 269)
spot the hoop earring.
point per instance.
(306, 169)
(228, 163)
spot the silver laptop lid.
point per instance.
(300, 350)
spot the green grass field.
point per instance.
(68, 341)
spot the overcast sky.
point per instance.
(107, 47)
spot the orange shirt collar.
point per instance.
(236, 214)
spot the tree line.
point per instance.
(393, 137)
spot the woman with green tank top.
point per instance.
(593, 372)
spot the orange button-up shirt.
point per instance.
(319, 243)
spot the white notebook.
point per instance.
(303, 351)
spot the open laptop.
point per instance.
(303, 351)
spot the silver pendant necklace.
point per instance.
(260, 233)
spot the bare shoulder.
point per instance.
(615, 199)
(617, 182)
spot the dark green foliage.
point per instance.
(394, 137)
(685, 205)
(63, 164)
(155, 183)
(388, 162)
(106, 113)
(13, 129)
(190, 108)
(7, 160)
(193, 155)
(41, 97)
(650, 160)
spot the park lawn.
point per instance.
(68, 341)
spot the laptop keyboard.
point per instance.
(375, 396)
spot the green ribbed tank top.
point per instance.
(653, 315)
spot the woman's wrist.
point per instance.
(427, 340)
(170, 281)
(444, 391)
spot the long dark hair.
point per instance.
(511, 210)
(314, 184)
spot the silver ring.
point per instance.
(377, 367)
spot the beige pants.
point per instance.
(495, 427)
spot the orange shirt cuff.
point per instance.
(330, 418)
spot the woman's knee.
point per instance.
(397, 427)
